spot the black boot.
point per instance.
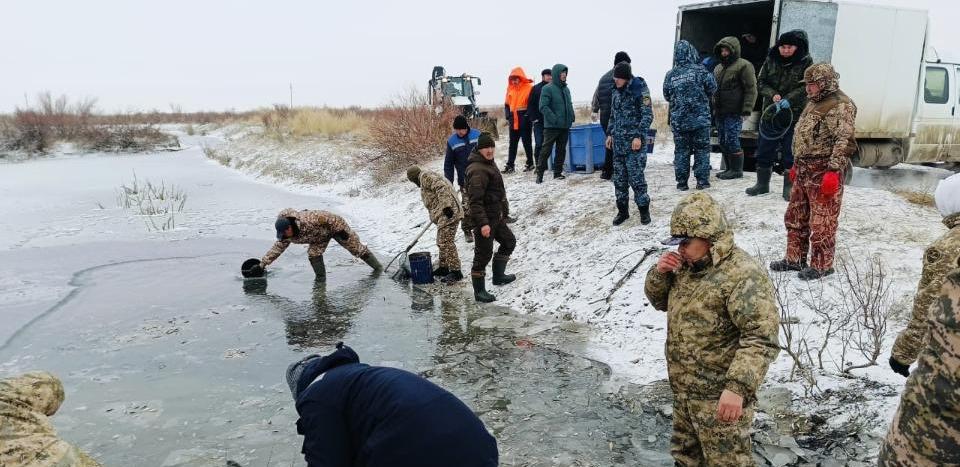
(787, 187)
(736, 167)
(539, 177)
(606, 174)
(683, 186)
(441, 271)
(558, 176)
(499, 267)
(645, 214)
(703, 185)
(528, 168)
(623, 213)
(508, 170)
(763, 182)
(316, 262)
(784, 265)
(480, 293)
(811, 273)
(454, 276)
(725, 165)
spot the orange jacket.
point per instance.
(518, 95)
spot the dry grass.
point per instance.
(918, 197)
(325, 122)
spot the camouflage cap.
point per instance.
(697, 215)
(820, 73)
(413, 174)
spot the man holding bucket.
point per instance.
(488, 210)
(445, 211)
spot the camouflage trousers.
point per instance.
(728, 133)
(700, 440)
(696, 142)
(449, 258)
(628, 167)
(811, 219)
(465, 224)
(918, 437)
(346, 237)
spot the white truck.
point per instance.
(907, 98)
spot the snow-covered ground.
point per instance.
(569, 257)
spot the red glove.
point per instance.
(830, 184)
(793, 174)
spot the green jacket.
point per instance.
(779, 76)
(556, 105)
(736, 81)
(722, 321)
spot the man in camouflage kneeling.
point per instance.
(316, 228)
(722, 328)
(445, 211)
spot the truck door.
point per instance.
(936, 126)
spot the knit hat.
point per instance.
(282, 224)
(623, 71)
(485, 141)
(546, 72)
(301, 373)
(460, 123)
(413, 173)
(621, 56)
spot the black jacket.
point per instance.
(533, 105)
(352, 414)
(603, 97)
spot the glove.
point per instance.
(899, 368)
(783, 104)
(448, 212)
(793, 174)
(830, 184)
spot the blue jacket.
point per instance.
(631, 112)
(458, 150)
(688, 88)
(352, 414)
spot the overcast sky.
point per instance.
(219, 54)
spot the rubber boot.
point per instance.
(645, 214)
(454, 276)
(371, 261)
(736, 167)
(316, 262)
(441, 271)
(499, 268)
(623, 213)
(725, 165)
(787, 187)
(763, 182)
(480, 293)
(784, 265)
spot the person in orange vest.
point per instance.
(515, 110)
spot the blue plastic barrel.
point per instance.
(421, 267)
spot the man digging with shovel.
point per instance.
(445, 211)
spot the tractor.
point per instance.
(460, 91)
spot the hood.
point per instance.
(731, 43)
(685, 53)
(38, 391)
(797, 36)
(303, 372)
(556, 70)
(947, 197)
(518, 73)
(824, 75)
(698, 215)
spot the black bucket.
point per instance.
(251, 268)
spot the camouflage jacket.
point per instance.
(631, 113)
(722, 323)
(826, 129)
(437, 193)
(26, 435)
(314, 228)
(688, 87)
(941, 257)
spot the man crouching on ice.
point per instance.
(722, 328)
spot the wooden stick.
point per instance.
(623, 280)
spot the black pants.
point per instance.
(608, 152)
(523, 134)
(483, 247)
(551, 137)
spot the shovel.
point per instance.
(410, 247)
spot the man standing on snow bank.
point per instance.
(734, 100)
(316, 228)
(925, 431)
(602, 100)
(459, 147)
(941, 256)
(630, 117)
(722, 334)
(536, 118)
(27, 437)
(556, 106)
(515, 111)
(688, 87)
(488, 211)
(353, 414)
(445, 211)
(822, 145)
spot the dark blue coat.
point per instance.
(359, 415)
(458, 150)
(631, 111)
(533, 104)
(688, 88)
